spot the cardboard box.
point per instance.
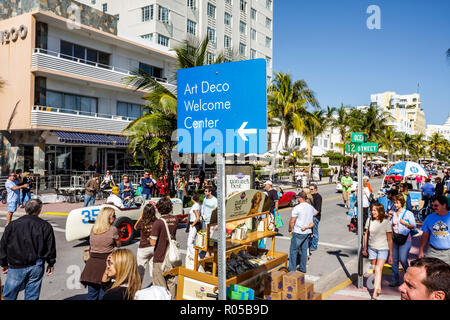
(308, 292)
(274, 282)
(294, 282)
(317, 296)
(289, 296)
(273, 296)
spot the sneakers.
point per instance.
(394, 283)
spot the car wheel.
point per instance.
(293, 202)
(126, 230)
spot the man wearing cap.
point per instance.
(300, 227)
(272, 194)
(114, 198)
(147, 186)
(346, 182)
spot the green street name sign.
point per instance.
(361, 148)
(359, 137)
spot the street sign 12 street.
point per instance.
(361, 147)
(222, 108)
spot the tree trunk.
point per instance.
(286, 139)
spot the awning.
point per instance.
(119, 140)
(84, 138)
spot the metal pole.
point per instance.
(221, 252)
(360, 221)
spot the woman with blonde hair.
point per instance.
(103, 238)
(309, 196)
(121, 265)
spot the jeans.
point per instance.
(29, 278)
(95, 292)
(180, 195)
(400, 254)
(298, 241)
(26, 196)
(89, 200)
(314, 240)
(146, 196)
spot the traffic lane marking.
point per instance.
(54, 226)
(365, 294)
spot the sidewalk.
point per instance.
(348, 290)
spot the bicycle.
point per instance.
(423, 213)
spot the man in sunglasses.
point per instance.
(13, 191)
(436, 232)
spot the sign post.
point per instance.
(360, 145)
(222, 108)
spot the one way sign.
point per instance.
(222, 108)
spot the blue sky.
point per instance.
(327, 43)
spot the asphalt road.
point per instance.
(337, 247)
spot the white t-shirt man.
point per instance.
(304, 212)
(115, 200)
(208, 206)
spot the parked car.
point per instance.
(80, 221)
(287, 199)
(396, 177)
(353, 188)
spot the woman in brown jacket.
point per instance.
(104, 237)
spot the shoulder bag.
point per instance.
(173, 255)
(398, 238)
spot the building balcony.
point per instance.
(59, 62)
(43, 116)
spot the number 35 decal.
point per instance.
(89, 215)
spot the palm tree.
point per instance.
(342, 123)
(154, 129)
(287, 102)
(404, 141)
(390, 140)
(436, 144)
(417, 147)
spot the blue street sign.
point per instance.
(222, 108)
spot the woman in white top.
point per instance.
(193, 226)
(108, 180)
(402, 221)
(366, 202)
(378, 243)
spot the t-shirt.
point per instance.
(366, 196)
(104, 242)
(346, 181)
(146, 231)
(145, 188)
(115, 200)
(208, 206)
(153, 293)
(192, 216)
(160, 235)
(318, 204)
(437, 226)
(304, 213)
(13, 195)
(428, 189)
(377, 233)
(272, 195)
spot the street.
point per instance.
(327, 267)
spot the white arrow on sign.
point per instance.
(242, 131)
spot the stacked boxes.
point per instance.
(293, 285)
(273, 285)
(317, 296)
(236, 292)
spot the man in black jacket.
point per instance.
(26, 245)
(317, 204)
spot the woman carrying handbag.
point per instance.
(402, 222)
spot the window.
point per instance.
(268, 42)
(252, 54)
(163, 14)
(227, 19)
(210, 58)
(212, 35)
(269, 4)
(268, 23)
(243, 27)
(90, 56)
(325, 143)
(162, 40)
(147, 13)
(105, 7)
(228, 1)
(243, 6)
(242, 49)
(116, 16)
(227, 42)
(253, 14)
(69, 102)
(211, 11)
(129, 110)
(253, 34)
(316, 142)
(191, 27)
(148, 37)
(268, 60)
(298, 142)
(192, 4)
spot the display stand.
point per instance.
(194, 285)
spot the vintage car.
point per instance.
(353, 188)
(80, 221)
(287, 199)
(397, 178)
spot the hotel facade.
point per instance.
(64, 102)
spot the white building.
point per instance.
(442, 129)
(238, 28)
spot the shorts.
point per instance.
(12, 206)
(375, 254)
(345, 195)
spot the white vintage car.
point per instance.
(353, 187)
(80, 221)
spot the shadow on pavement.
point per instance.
(77, 297)
(338, 255)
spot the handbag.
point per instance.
(398, 238)
(173, 253)
(278, 221)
